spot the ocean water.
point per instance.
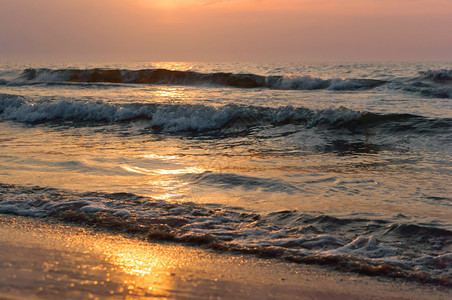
(341, 164)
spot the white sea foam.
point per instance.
(367, 246)
(48, 76)
(171, 118)
(235, 228)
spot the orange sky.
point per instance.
(225, 30)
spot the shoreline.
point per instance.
(51, 260)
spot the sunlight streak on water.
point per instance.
(187, 170)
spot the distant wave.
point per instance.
(428, 90)
(430, 83)
(392, 247)
(438, 75)
(163, 76)
(202, 118)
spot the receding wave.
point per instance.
(164, 76)
(201, 118)
(372, 246)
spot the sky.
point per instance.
(225, 30)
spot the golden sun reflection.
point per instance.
(144, 271)
(163, 183)
(137, 170)
(187, 170)
(160, 157)
(170, 94)
(174, 66)
(170, 188)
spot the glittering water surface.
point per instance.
(366, 147)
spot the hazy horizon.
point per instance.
(248, 30)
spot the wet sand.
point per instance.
(39, 260)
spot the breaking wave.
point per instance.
(430, 83)
(164, 76)
(200, 118)
(438, 75)
(372, 246)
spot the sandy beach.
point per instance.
(39, 260)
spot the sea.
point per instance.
(340, 164)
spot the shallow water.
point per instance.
(313, 160)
